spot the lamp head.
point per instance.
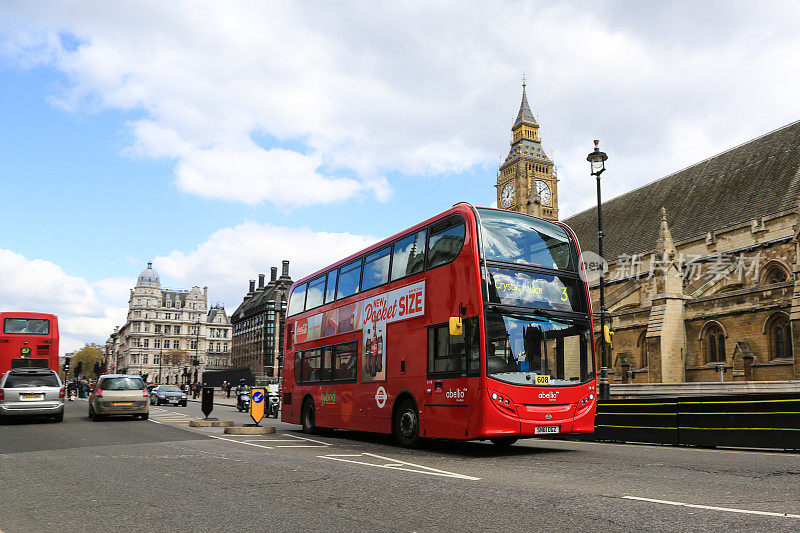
(597, 159)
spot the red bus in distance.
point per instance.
(474, 324)
(28, 339)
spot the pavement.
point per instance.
(160, 475)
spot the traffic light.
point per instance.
(97, 368)
(608, 334)
(66, 366)
(78, 368)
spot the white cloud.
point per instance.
(42, 286)
(296, 103)
(231, 256)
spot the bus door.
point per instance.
(451, 390)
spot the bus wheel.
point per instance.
(503, 442)
(406, 425)
(307, 417)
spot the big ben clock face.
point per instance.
(507, 195)
(543, 191)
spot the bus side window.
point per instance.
(409, 255)
(297, 301)
(445, 243)
(349, 280)
(453, 355)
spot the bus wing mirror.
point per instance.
(456, 326)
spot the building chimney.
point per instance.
(261, 281)
(252, 285)
(273, 273)
(285, 268)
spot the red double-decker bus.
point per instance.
(28, 340)
(474, 324)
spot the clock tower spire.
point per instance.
(527, 180)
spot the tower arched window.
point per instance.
(780, 337)
(714, 340)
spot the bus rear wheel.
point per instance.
(406, 425)
(307, 417)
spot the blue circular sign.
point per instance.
(258, 397)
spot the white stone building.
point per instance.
(170, 333)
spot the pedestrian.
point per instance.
(224, 385)
(229, 390)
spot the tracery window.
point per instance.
(715, 344)
(780, 337)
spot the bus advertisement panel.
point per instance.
(475, 324)
(28, 339)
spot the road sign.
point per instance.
(257, 402)
(207, 400)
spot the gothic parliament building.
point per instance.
(703, 263)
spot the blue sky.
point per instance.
(219, 138)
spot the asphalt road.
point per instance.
(158, 475)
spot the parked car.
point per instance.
(170, 394)
(32, 392)
(119, 394)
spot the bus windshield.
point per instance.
(35, 326)
(518, 238)
(520, 348)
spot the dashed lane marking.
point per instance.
(394, 464)
(713, 507)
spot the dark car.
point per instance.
(169, 394)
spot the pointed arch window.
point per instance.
(774, 273)
(643, 350)
(780, 338)
(715, 344)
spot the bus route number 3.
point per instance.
(564, 294)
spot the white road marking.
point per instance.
(712, 507)
(252, 442)
(394, 464)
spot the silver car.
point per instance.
(32, 392)
(119, 394)
(169, 394)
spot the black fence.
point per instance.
(743, 420)
(216, 377)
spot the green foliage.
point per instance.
(88, 355)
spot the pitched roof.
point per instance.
(755, 179)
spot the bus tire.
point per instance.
(406, 425)
(503, 442)
(308, 417)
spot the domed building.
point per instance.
(171, 335)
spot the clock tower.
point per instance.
(527, 180)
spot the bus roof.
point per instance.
(460, 207)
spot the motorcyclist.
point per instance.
(242, 387)
(72, 389)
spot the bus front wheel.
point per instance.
(406, 425)
(307, 418)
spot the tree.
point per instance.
(85, 359)
(175, 358)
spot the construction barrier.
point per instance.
(744, 420)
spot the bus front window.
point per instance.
(519, 348)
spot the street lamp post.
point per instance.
(160, 354)
(597, 161)
(196, 347)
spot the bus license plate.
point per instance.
(546, 429)
(31, 396)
